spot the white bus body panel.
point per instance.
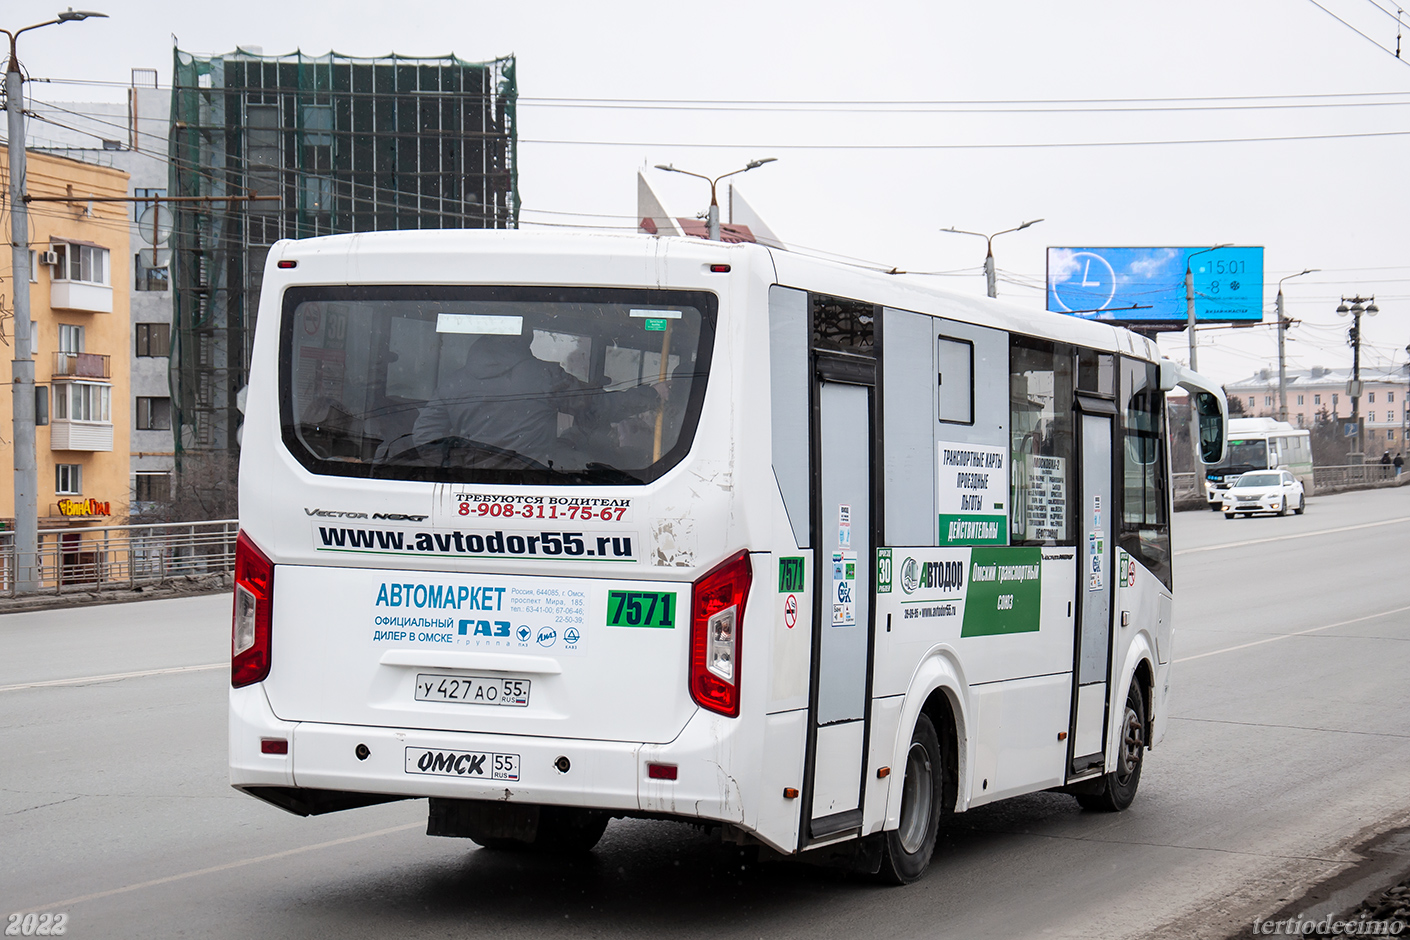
(620, 700)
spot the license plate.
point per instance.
(472, 690)
(475, 765)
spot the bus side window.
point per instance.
(1041, 442)
(1145, 498)
(954, 370)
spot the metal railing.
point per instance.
(117, 557)
(1352, 475)
(83, 365)
(1186, 486)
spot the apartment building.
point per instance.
(131, 136)
(79, 273)
(1384, 405)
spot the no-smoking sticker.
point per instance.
(790, 611)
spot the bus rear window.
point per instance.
(493, 385)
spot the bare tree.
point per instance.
(206, 487)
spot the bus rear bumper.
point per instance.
(410, 763)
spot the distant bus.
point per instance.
(1260, 444)
(551, 529)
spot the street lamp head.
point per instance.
(1357, 310)
(1026, 224)
(665, 166)
(758, 163)
(1343, 309)
(1372, 309)
(75, 15)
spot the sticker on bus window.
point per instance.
(844, 589)
(970, 489)
(1096, 560)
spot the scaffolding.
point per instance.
(349, 145)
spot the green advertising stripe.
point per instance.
(973, 529)
(1004, 591)
(641, 609)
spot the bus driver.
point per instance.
(508, 399)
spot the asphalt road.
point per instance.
(1288, 747)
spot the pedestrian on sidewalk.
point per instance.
(1399, 462)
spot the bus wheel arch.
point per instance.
(937, 691)
(1134, 724)
(929, 786)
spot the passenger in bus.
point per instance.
(510, 400)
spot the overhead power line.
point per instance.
(1394, 55)
(993, 146)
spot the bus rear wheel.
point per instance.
(910, 845)
(1119, 787)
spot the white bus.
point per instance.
(555, 529)
(1260, 444)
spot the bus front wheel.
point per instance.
(1119, 787)
(910, 845)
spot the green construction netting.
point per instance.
(348, 145)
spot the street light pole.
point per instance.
(1359, 305)
(26, 469)
(990, 281)
(1194, 348)
(1282, 359)
(714, 215)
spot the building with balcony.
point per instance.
(78, 275)
(130, 135)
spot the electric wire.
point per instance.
(1358, 32)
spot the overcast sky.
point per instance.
(857, 181)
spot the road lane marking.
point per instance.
(1264, 724)
(1295, 535)
(114, 676)
(226, 867)
(1284, 636)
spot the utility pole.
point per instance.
(1282, 358)
(1359, 305)
(26, 484)
(1194, 349)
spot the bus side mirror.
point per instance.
(1211, 426)
(1169, 375)
(1210, 407)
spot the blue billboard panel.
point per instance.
(1134, 285)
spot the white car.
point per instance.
(1264, 491)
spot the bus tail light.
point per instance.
(254, 609)
(716, 617)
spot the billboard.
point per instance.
(1147, 285)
